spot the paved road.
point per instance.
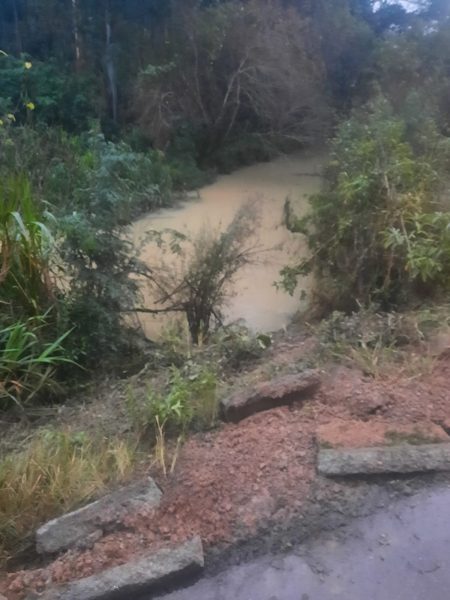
(402, 553)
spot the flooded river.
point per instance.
(255, 299)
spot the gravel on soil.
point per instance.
(232, 483)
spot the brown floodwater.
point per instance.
(254, 298)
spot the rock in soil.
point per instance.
(277, 392)
(394, 459)
(160, 568)
(89, 522)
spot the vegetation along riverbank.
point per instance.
(197, 197)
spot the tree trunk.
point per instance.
(76, 35)
(110, 66)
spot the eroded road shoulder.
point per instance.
(402, 552)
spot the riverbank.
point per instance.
(243, 486)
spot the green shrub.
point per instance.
(242, 151)
(183, 157)
(95, 187)
(188, 400)
(380, 230)
(45, 93)
(120, 181)
(186, 175)
(236, 346)
(80, 259)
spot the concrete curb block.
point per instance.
(270, 394)
(136, 578)
(388, 459)
(87, 524)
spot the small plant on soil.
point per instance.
(236, 345)
(27, 363)
(189, 401)
(374, 340)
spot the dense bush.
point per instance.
(100, 261)
(67, 263)
(380, 230)
(45, 93)
(67, 246)
(242, 151)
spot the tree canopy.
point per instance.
(214, 66)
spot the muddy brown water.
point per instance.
(254, 297)
(401, 553)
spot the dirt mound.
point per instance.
(230, 481)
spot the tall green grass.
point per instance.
(30, 347)
(26, 245)
(27, 365)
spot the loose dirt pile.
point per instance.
(229, 482)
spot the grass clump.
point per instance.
(414, 438)
(57, 472)
(187, 401)
(375, 341)
(27, 363)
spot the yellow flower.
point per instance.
(11, 117)
(28, 65)
(30, 105)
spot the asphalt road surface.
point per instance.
(401, 553)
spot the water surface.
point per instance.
(255, 299)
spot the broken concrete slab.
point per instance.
(404, 458)
(277, 392)
(163, 567)
(91, 521)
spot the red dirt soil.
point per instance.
(229, 482)
(360, 434)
